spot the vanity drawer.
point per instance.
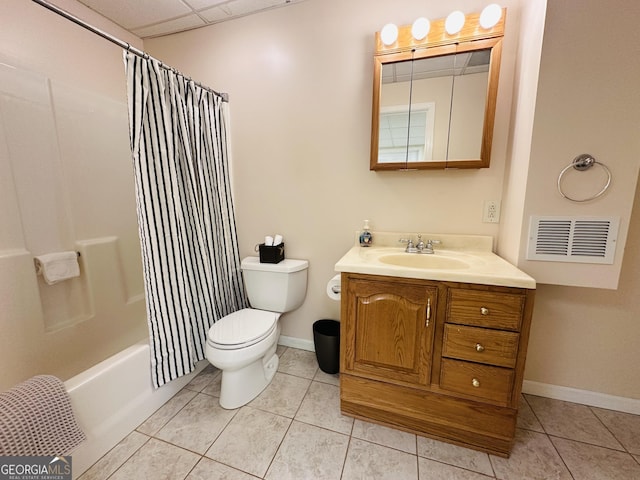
(494, 347)
(484, 381)
(485, 309)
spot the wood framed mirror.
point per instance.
(434, 100)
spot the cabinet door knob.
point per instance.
(479, 348)
(475, 382)
(484, 311)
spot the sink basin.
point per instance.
(428, 261)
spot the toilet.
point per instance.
(243, 344)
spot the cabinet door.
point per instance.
(389, 329)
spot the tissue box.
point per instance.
(271, 254)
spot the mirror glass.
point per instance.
(434, 107)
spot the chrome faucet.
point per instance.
(421, 246)
(411, 248)
(428, 247)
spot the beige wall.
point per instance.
(300, 83)
(300, 86)
(66, 183)
(588, 100)
(300, 110)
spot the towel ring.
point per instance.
(581, 163)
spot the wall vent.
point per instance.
(573, 239)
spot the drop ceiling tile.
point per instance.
(138, 13)
(215, 14)
(203, 4)
(176, 25)
(243, 7)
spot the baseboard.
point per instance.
(585, 397)
(294, 342)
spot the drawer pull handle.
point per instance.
(428, 311)
(479, 348)
(475, 382)
(484, 311)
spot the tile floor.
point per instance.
(294, 430)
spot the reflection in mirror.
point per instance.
(406, 136)
(470, 79)
(434, 106)
(394, 113)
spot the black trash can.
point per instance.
(326, 338)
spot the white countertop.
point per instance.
(472, 255)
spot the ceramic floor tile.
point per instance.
(166, 412)
(455, 455)
(283, 396)
(243, 443)
(207, 469)
(204, 378)
(213, 387)
(526, 417)
(197, 425)
(309, 452)
(388, 437)
(369, 461)
(533, 458)
(321, 407)
(589, 462)
(624, 426)
(572, 421)
(157, 460)
(332, 378)
(238, 445)
(116, 457)
(300, 363)
(432, 470)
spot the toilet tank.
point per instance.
(276, 287)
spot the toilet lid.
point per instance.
(243, 327)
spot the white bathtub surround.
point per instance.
(191, 262)
(113, 398)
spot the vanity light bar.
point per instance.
(445, 31)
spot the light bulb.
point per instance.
(389, 34)
(490, 16)
(454, 22)
(420, 28)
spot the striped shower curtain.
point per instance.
(185, 211)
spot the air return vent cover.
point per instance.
(573, 239)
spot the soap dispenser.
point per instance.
(366, 239)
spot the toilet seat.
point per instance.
(242, 329)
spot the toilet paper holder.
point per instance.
(334, 288)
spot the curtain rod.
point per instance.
(121, 43)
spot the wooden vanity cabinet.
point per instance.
(440, 359)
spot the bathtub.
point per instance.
(113, 397)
